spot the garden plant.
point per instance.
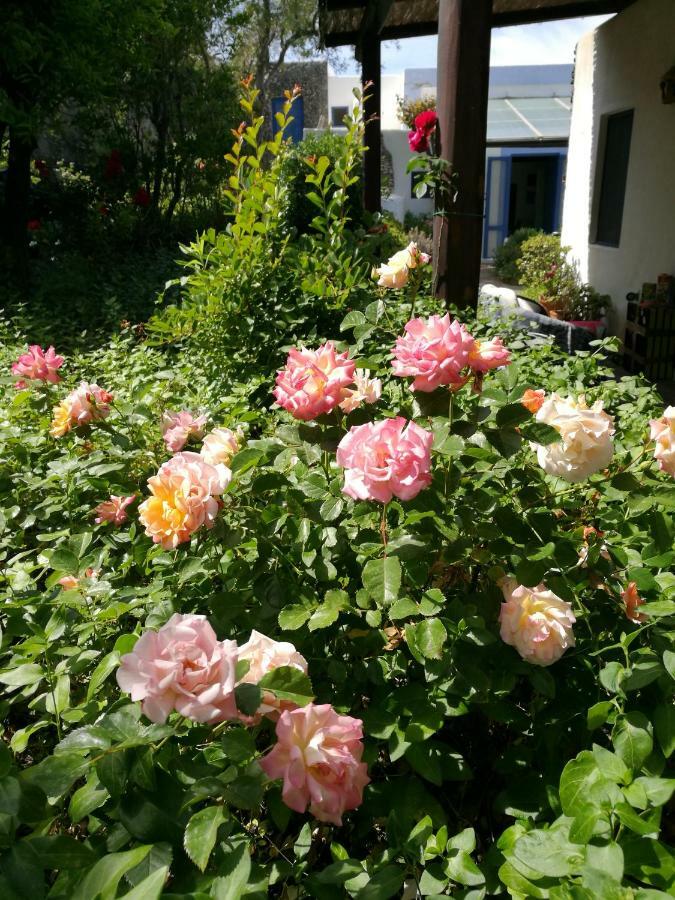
(313, 588)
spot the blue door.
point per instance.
(496, 204)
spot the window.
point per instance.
(337, 114)
(611, 187)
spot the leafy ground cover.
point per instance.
(406, 631)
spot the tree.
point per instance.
(258, 36)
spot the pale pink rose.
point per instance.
(586, 433)
(486, 355)
(220, 446)
(113, 510)
(178, 427)
(184, 492)
(395, 272)
(264, 655)
(434, 351)
(533, 400)
(86, 404)
(662, 431)
(318, 756)
(313, 381)
(182, 667)
(69, 582)
(536, 622)
(390, 458)
(632, 600)
(367, 390)
(38, 364)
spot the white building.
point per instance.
(619, 209)
(529, 112)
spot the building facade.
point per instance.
(619, 209)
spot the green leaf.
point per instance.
(351, 319)
(632, 739)
(238, 745)
(63, 560)
(288, 683)
(331, 508)
(548, 852)
(384, 884)
(201, 833)
(597, 714)
(583, 825)
(339, 872)
(248, 698)
(427, 638)
(151, 886)
(246, 459)
(329, 610)
(293, 617)
(102, 880)
(235, 871)
(463, 869)
(20, 676)
(664, 726)
(112, 770)
(382, 579)
(101, 672)
(611, 765)
(56, 774)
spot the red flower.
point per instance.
(33, 224)
(141, 198)
(113, 166)
(103, 209)
(426, 122)
(418, 142)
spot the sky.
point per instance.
(544, 43)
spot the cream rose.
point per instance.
(536, 622)
(586, 433)
(662, 431)
(394, 273)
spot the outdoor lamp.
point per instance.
(668, 86)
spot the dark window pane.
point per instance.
(337, 114)
(613, 178)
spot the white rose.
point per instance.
(586, 433)
(536, 622)
(663, 432)
(220, 446)
(264, 655)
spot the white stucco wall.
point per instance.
(340, 93)
(619, 67)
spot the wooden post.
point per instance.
(464, 31)
(370, 71)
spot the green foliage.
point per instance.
(507, 256)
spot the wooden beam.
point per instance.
(371, 72)
(464, 28)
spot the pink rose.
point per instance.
(662, 431)
(313, 382)
(435, 351)
(264, 655)
(418, 141)
(318, 756)
(425, 125)
(178, 427)
(385, 459)
(114, 509)
(486, 355)
(86, 404)
(39, 364)
(183, 666)
(536, 622)
(184, 492)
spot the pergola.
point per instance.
(464, 32)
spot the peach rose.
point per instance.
(632, 600)
(395, 272)
(38, 364)
(318, 756)
(69, 582)
(183, 666)
(486, 355)
(533, 400)
(220, 446)
(385, 459)
(434, 351)
(536, 622)
(178, 427)
(313, 382)
(264, 655)
(86, 404)
(663, 432)
(586, 432)
(367, 390)
(113, 510)
(184, 492)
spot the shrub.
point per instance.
(507, 256)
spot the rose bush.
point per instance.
(296, 668)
